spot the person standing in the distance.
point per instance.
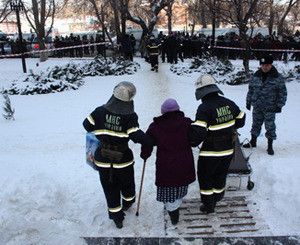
(267, 94)
(114, 124)
(126, 44)
(174, 158)
(153, 51)
(217, 119)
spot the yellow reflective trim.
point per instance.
(216, 153)
(200, 123)
(115, 165)
(102, 164)
(206, 192)
(91, 120)
(218, 190)
(222, 126)
(128, 198)
(241, 115)
(111, 133)
(115, 210)
(131, 130)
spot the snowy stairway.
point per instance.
(232, 217)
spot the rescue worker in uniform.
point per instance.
(267, 94)
(114, 123)
(217, 119)
(153, 51)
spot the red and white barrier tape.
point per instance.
(54, 49)
(268, 50)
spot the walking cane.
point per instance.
(141, 186)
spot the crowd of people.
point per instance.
(180, 46)
(173, 47)
(63, 42)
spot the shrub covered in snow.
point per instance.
(109, 66)
(57, 79)
(70, 76)
(222, 70)
(293, 74)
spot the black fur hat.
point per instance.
(266, 59)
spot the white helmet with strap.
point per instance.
(125, 91)
(206, 84)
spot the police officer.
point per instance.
(217, 119)
(114, 123)
(267, 94)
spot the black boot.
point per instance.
(270, 147)
(205, 209)
(126, 206)
(174, 215)
(119, 223)
(252, 142)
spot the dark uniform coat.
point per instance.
(216, 119)
(153, 51)
(115, 130)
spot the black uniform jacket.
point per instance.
(216, 119)
(153, 47)
(115, 130)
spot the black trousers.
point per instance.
(154, 61)
(122, 189)
(212, 173)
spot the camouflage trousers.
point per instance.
(260, 116)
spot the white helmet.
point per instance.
(206, 84)
(125, 91)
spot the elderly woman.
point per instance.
(174, 159)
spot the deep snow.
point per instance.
(48, 195)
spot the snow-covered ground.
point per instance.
(49, 195)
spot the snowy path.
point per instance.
(48, 195)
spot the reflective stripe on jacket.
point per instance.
(217, 117)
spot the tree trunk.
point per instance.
(43, 55)
(170, 13)
(271, 20)
(246, 54)
(203, 19)
(116, 18)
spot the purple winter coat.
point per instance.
(174, 157)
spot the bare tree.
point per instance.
(288, 6)
(169, 13)
(239, 12)
(272, 16)
(99, 8)
(37, 15)
(4, 10)
(153, 8)
(114, 5)
(295, 16)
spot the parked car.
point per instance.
(49, 45)
(7, 48)
(28, 37)
(2, 35)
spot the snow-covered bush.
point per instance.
(70, 76)
(222, 70)
(57, 79)
(109, 66)
(293, 74)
